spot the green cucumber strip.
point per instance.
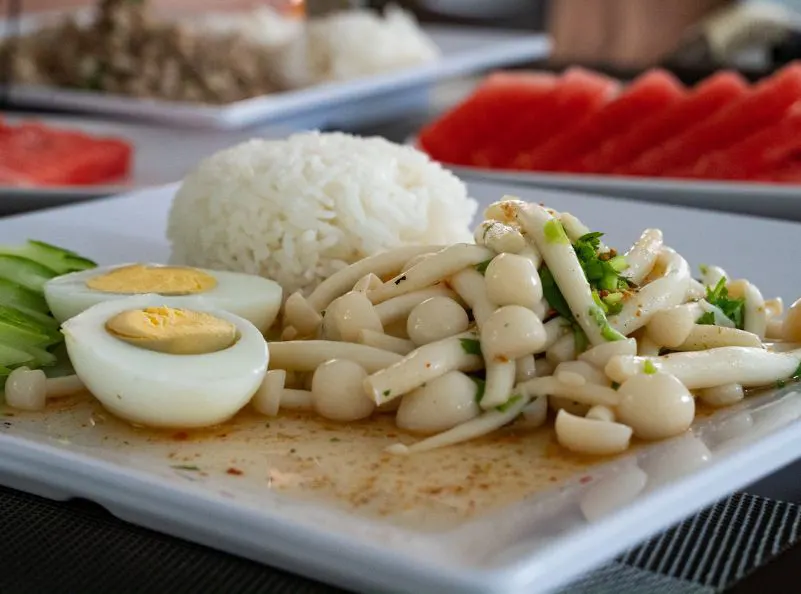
(46, 321)
(20, 330)
(59, 260)
(15, 295)
(11, 357)
(25, 272)
(41, 357)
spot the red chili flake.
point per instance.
(235, 471)
(180, 436)
(585, 479)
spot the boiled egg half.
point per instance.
(253, 298)
(160, 366)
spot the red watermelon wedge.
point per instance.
(524, 92)
(704, 100)
(756, 155)
(646, 96)
(578, 94)
(763, 106)
(471, 126)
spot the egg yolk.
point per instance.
(173, 331)
(163, 280)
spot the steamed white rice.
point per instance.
(298, 210)
(350, 44)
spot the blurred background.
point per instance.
(693, 37)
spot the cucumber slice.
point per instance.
(59, 260)
(25, 272)
(20, 330)
(11, 357)
(46, 321)
(40, 357)
(15, 295)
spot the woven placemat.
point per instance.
(49, 547)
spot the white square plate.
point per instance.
(465, 50)
(781, 201)
(534, 545)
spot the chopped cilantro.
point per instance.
(649, 367)
(471, 346)
(334, 439)
(734, 309)
(580, 338)
(609, 333)
(553, 295)
(509, 403)
(555, 233)
(480, 386)
(482, 266)
(703, 268)
(190, 467)
(602, 270)
(615, 385)
(706, 319)
(387, 392)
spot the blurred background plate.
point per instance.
(161, 156)
(781, 201)
(465, 50)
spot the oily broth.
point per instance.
(344, 465)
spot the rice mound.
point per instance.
(298, 210)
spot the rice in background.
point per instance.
(298, 210)
(352, 44)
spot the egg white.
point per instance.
(159, 389)
(254, 298)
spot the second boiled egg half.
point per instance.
(253, 298)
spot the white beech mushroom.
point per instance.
(655, 405)
(724, 395)
(513, 280)
(706, 369)
(338, 391)
(434, 319)
(439, 405)
(26, 389)
(591, 436)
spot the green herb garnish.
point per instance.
(509, 403)
(580, 338)
(480, 387)
(734, 309)
(555, 233)
(471, 346)
(189, 467)
(553, 295)
(649, 367)
(609, 333)
(615, 385)
(706, 319)
(481, 267)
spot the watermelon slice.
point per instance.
(758, 154)
(763, 106)
(33, 154)
(472, 126)
(646, 97)
(578, 94)
(704, 100)
(523, 93)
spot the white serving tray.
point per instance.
(781, 201)
(534, 546)
(160, 157)
(464, 51)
